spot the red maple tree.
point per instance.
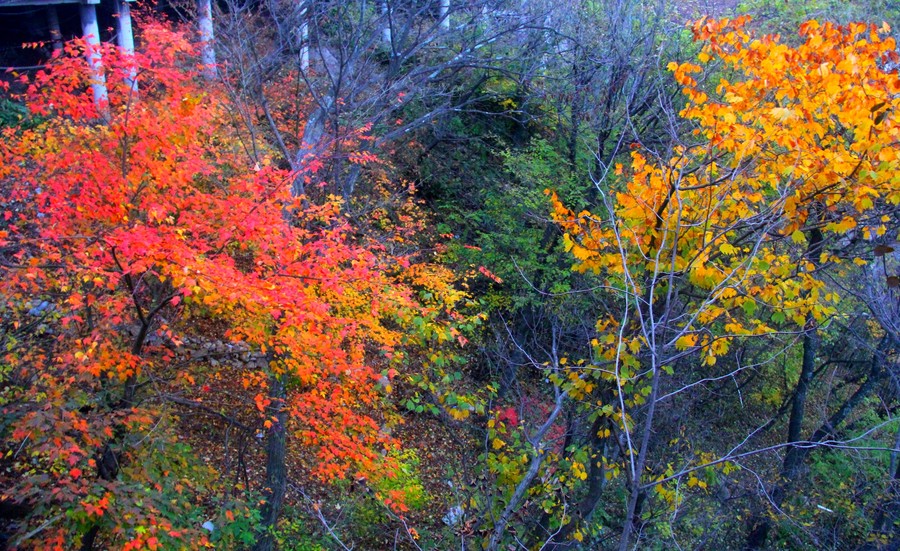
(128, 221)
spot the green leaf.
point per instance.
(749, 306)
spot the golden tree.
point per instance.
(791, 176)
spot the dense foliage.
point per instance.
(436, 274)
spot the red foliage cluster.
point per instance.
(127, 220)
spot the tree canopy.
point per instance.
(425, 275)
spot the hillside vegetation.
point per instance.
(456, 275)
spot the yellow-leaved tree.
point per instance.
(789, 180)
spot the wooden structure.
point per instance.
(124, 34)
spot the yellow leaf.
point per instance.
(685, 341)
(782, 114)
(634, 346)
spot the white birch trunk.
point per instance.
(207, 50)
(126, 40)
(386, 30)
(304, 37)
(444, 15)
(91, 32)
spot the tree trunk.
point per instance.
(793, 459)
(876, 375)
(55, 32)
(637, 494)
(576, 107)
(303, 37)
(386, 29)
(585, 508)
(276, 469)
(91, 31)
(207, 36)
(126, 40)
(444, 15)
(533, 469)
(107, 460)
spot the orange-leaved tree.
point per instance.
(789, 179)
(123, 224)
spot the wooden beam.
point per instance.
(55, 32)
(17, 3)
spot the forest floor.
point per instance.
(219, 420)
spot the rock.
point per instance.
(39, 309)
(454, 515)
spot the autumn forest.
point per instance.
(314, 275)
